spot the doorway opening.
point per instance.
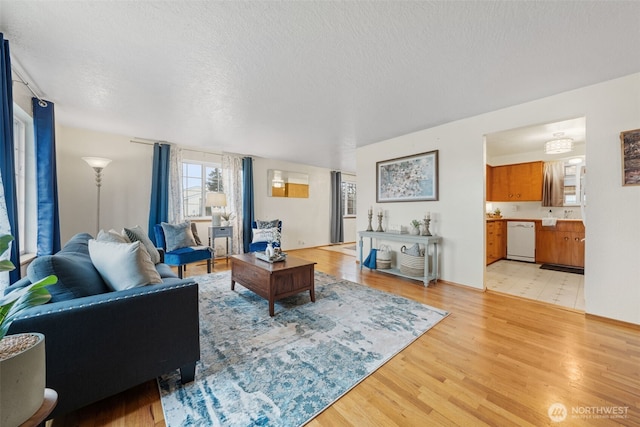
(525, 183)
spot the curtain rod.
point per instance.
(146, 141)
(22, 80)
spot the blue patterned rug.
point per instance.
(257, 370)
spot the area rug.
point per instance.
(257, 370)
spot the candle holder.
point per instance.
(426, 231)
(370, 215)
(379, 229)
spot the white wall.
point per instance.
(305, 222)
(126, 181)
(613, 237)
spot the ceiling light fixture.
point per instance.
(558, 145)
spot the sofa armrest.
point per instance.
(101, 345)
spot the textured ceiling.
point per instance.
(308, 81)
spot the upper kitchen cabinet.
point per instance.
(518, 182)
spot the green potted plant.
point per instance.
(22, 356)
(415, 227)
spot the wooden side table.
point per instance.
(49, 403)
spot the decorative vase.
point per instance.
(414, 231)
(269, 250)
(22, 376)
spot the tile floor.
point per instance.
(527, 280)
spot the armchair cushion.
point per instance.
(123, 265)
(178, 236)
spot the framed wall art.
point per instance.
(408, 179)
(630, 140)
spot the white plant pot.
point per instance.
(22, 383)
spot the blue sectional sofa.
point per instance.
(100, 342)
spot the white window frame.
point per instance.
(574, 181)
(25, 176)
(198, 194)
(346, 212)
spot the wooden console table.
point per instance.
(428, 242)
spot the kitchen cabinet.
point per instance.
(518, 182)
(562, 244)
(488, 181)
(496, 240)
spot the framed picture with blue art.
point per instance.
(408, 179)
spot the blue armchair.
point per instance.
(260, 246)
(182, 256)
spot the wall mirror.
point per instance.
(287, 184)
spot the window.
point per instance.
(25, 177)
(572, 182)
(197, 180)
(348, 198)
(19, 158)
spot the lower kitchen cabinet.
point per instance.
(496, 240)
(562, 244)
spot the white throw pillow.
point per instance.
(137, 234)
(123, 265)
(264, 234)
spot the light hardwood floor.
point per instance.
(496, 360)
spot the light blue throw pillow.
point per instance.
(137, 234)
(178, 236)
(123, 265)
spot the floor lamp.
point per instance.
(98, 164)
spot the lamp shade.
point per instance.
(97, 162)
(216, 199)
(558, 146)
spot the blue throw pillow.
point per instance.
(77, 277)
(178, 236)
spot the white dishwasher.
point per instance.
(521, 241)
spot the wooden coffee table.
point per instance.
(273, 281)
